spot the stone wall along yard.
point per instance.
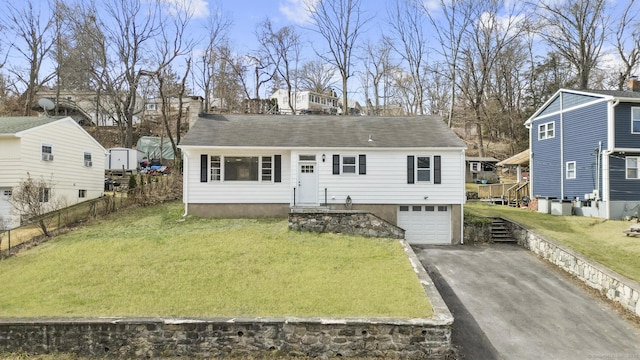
(344, 221)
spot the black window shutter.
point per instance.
(336, 164)
(410, 169)
(277, 171)
(204, 159)
(362, 164)
(437, 169)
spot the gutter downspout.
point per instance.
(562, 165)
(606, 184)
(464, 199)
(185, 184)
(528, 126)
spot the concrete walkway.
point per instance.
(509, 304)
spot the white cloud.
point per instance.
(297, 11)
(196, 8)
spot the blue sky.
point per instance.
(246, 14)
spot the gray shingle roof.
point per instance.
(615, 93)
(320, 131)
(12, 125)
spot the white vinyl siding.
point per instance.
(234, 192)
(67, 172)
(385, 181)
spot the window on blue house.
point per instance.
(632, 167)
(635, 120)
(546, 131)
(570, 170)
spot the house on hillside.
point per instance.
(307, 102)
(481, 170)
(585, 147)
(408, 171)
(89, 107)
(59, 151)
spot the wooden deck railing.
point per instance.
(509, 193)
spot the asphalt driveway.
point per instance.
(509, 304)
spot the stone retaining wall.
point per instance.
(344, 221)
(615, 286)
(234, 337)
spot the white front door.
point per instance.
(307, 183)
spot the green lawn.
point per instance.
(152, 262)
(598, 239)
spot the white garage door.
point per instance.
(426, 224)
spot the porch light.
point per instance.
(324, 157)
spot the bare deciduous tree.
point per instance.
(33, 198)
(483, 45)
(627, 44)
(282, 48)
(576, 29)
(376, 61)
(316, 76)
(340, 23)
(410, 43)
(450, 23)
(30, 27)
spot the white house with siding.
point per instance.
(57, 150)
(409, 171)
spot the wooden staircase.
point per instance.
(500, 233)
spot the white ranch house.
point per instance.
(408, 171)
(57, 150)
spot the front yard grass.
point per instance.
(152, 262)
(598, 239)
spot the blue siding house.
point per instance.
(585, 147)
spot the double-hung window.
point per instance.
(349, 164)
(267, 168)
(215, 169)
(87, 159)
(546, 131)
(424, 168)
(47, 152)
(631, 166)
(570, 170)
(635, 120)
(44, 195)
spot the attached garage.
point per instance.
(426, 224)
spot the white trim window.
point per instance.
(423, 169)
(151, 106)
(266, 166)
(546, 130)
(215, 168)
(87, 159)
(570, 170)
(349, 164)
(631, 167)
(47, 152)
(44, 195)
(635, 120)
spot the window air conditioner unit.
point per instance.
(88, 163)
(47, 157)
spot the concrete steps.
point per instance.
(500, 233)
